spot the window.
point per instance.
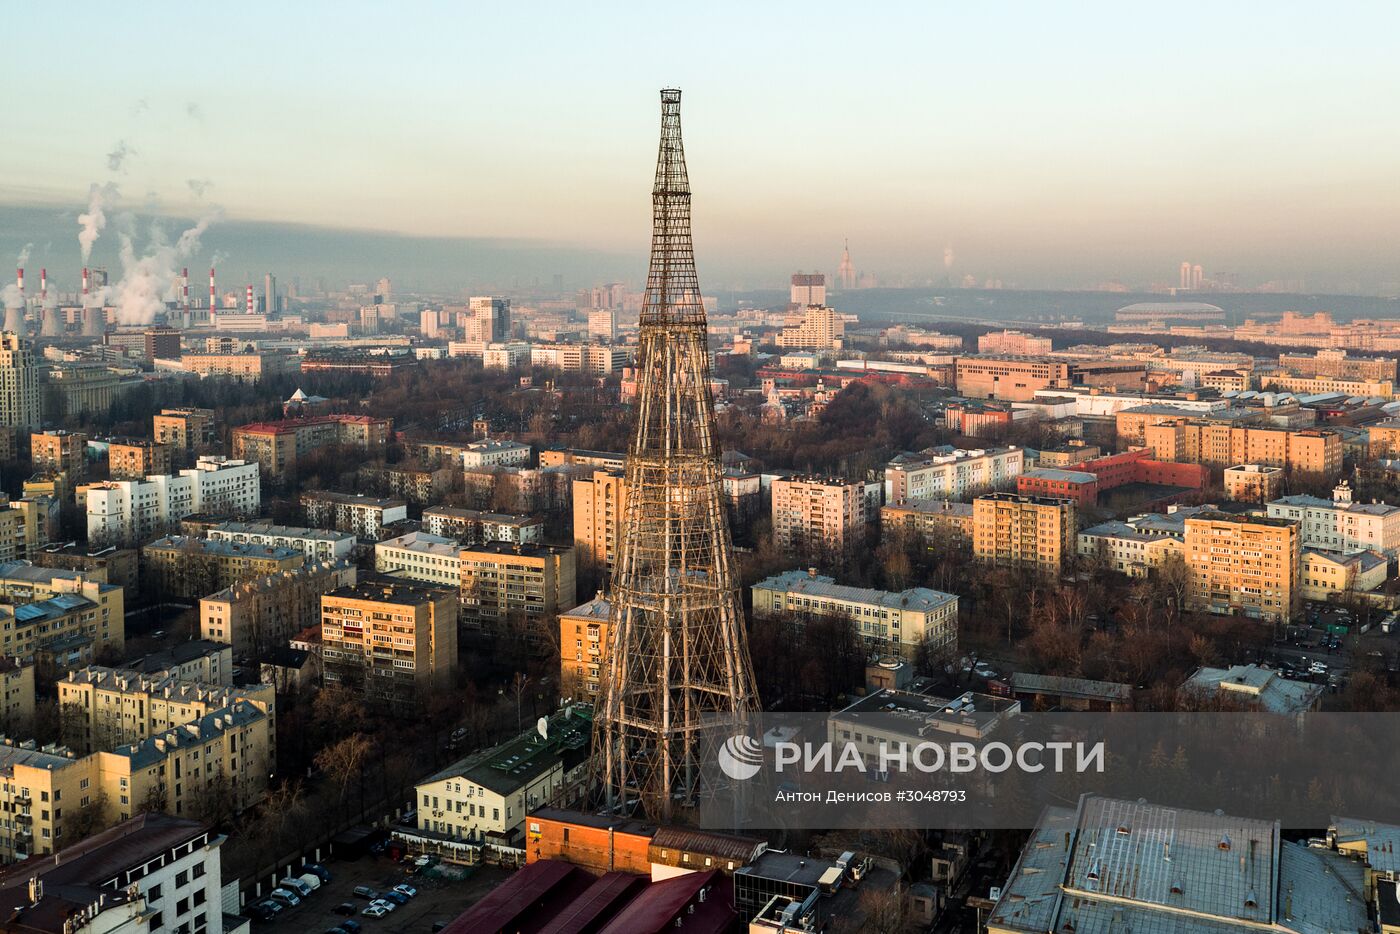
(153, 894)
(182, 878)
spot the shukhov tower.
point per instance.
(679, 655)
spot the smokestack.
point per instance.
(19, 278)
(85, 286)
(250, 299)
(43, 286)
(185, 288)
(213, 303)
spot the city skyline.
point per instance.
(1220, 148)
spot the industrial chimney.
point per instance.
(250, 300)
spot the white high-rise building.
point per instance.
(808, 289)
(489, 320)
(134, 510)
(20, 402)
(1185, 281)
(602, 325)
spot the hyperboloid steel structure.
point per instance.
(678, 666)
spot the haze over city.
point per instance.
(1056, 148)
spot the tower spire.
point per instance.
(678, 652)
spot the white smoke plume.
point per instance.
(95, 218)
(147, 280)
(199, 186)
(23, 259)
(11, 296)
(117, 156)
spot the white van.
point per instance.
(312, 880)
(296, 885)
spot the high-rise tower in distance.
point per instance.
(679, 667)
(846, 273)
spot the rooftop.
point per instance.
(1064, 476)
(391, 590)
(353, 499)
(511, 765)
(597, 608)
(152, 749)
(1254, 687)
(221, 548)
(918, 599)
(1078, 687)
(281, 531)
(423, 543)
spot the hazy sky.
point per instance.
(1050, 144)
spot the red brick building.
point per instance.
(1077, 485)
(1138, 467)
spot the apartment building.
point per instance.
(1130, 424)
(1014, 343)
(421, 556)
(248, 367)
(890, 623)
(485, 797)
(133, 459)
(393, 642)
(25, 581)
(577, 457)
(1339, 524)
(1335, 362)
(130, 511)
(1034, 532)
(470, 526)
(262, 613)
(1312, 451)
(937, 523)
(178, 566)
(410, 481)
(580, 358)
(584, 632)
(365, 516)
(495, 452)
(185, 430)
(21, 403)
(192, 660)
(951, 473)
(1327, 574)
(66, 628)
(59, 452)
(152, 872)
(20, 538)
(506, 585)
(276, 446)
(1132, 548)
(1310, 385)
(16, 693)
(118, 566)
(821, 328)
(1253, 483)
(1247, 565)
(600, 505)
(1069, 455)
(112, 707)
(821, 513)
(318, 544)
(1078, 485)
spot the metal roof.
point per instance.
(801, 582)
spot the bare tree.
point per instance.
(345, 760)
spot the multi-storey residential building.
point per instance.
(66, 627)
(1312, 451)
(487, 319)
(179, 566)
(584, 632)
(413, 482)
(118, 566)
(185, 430)
(22, 535)
(276, 446)
(938, 523)
(1340, 525)
(240, 367)
(16, 694)
(192, 660)
(560, 457)
(580, 358)
(1078, 485)
(890, 623)
(1014, 343)
(470, 526)
(262, 613)
(1069, 455)
(821, 328)
(135, 459)
(820, 513)
(1384, 438)
(485, 796)
(1131, 423)
(495, 452)
(1309, 385)
(365, 516)
(951, 473)
(393, 642)
(1335, 362)
(1253, 483)
(600, 502)
(25, 582)
(1018, 379)
(320, 544)
(435, 453)
(152, 872)
(1243, 564)
(1133, 548)
(21, 405)
(111, 707)
(506, 585)
(1034, 532)
(1325, 574)
(59, 452)
(421, 556)
(129, 511)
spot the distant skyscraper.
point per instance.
(20, 403)
(847, 272)
(270, 294)
(602, 325)
(1197, 276)
(383, 288)
(809, 289)
(1185, 274)
(490, 318)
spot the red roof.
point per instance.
(656, 909)
(595, 907)
(526, 901)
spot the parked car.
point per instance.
(385, 904)
(375, 910)
(286, 896)
(403, 888)
(259, 911)
(365, 891)
(398, 898)
(350, 926)
(346, 909)
(408, 818)
(459, 734)
(319, 871)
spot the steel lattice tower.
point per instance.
(678, 650)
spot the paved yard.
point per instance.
(438, 899)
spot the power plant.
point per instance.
(678, 670)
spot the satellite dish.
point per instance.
(543, 727)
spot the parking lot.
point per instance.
(438, 899)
